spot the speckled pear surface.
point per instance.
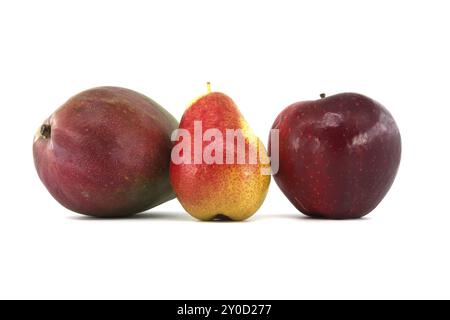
(209, 191)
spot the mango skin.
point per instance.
(108, 153)
(210, 191)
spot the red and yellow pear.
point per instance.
(219, 168)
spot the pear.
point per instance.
(219, 168)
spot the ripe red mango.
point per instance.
(106, 153)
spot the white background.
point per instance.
(265, 55)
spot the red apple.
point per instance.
(338, 156)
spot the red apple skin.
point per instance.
(107, 153)
(338, 155)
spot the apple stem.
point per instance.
(322, 95)
(46, 131)
(208, 87)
